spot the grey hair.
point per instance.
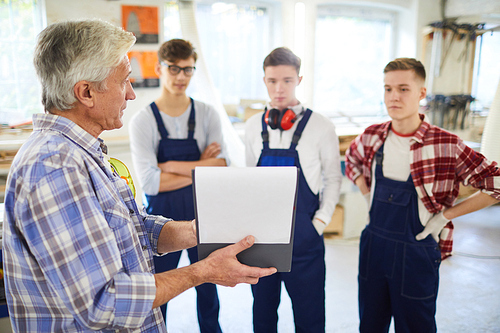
(73, 51)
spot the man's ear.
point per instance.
(158, 69)
(84, 93)
(300, 80)
(423, 93)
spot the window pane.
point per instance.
(20, 98)
(487, 68)
(235, 39)
(351, 52)
(171, 21)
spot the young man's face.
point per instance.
(281, 82)
(403, 92)
(176, 84)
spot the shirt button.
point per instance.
(144, 247)
(131, 211)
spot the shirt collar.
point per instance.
(67, 128)
(297, 109)
(419, 134)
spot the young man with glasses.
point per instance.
(168, 139)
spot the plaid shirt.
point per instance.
(439, 162)
(77, 251)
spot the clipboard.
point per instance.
(231, 203)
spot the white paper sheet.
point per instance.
(236, 202)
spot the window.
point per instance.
(486, 69)
(171, 21)
(21, 21)
(235, 38)
(353, 45)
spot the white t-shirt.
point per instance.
(318, 150)
(396, 166)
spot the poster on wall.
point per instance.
(143, 69)
(142, 21)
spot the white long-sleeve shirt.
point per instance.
(318, 150)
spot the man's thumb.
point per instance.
(243, 244)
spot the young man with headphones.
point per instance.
(289, 134)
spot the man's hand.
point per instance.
(223, 268)
(433, 227)
(212, 151)
(220, 267)
(193, 226)
(319, 225)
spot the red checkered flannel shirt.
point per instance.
(439, 162)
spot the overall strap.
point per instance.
(300, 128)
(265, 133)
(379, 155)
(159, 122)
(191, 122)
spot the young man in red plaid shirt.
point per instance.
(409, 172)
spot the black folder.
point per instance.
(261, 254)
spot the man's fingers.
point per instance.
(242, 245)
(267, 271)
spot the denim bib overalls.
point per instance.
(398, 275)
(305, 282)
(179, 205)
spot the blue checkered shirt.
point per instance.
(77, 251)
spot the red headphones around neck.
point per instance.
(282, 119)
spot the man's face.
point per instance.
(175, 84)
(403, 92)
(111, 103)
(281, 82)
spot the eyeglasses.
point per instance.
(174, 70)
(122, 171)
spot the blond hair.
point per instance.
(404, 64)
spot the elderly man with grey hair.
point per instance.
(77, 250)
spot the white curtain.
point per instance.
(490, 143)
(235, 146)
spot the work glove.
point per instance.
(433, 227)
(367, 198)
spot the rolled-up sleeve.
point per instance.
(354, 157)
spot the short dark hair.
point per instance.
(175, 50)
(404, 64)
(282, 56)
